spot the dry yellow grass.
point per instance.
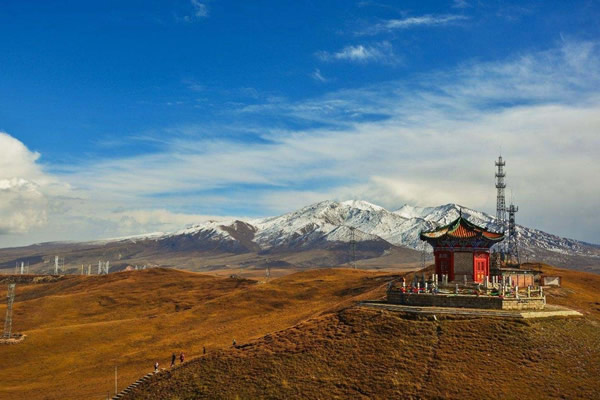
(359, 353)
(303, 339)
(80, 327)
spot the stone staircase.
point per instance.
(137, 383)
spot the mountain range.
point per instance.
(329, 231)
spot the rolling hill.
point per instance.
(300, 333)
(362, 353)
(79, 328)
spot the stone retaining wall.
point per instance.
(465, 301)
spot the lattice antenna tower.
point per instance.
(352, 247)
(513, 248)
(500, 198)
(8, 320)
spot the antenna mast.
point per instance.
(500, 199)
(512, 252)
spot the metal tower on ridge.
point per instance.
(500, 199)
(8, 321)
(512, 251)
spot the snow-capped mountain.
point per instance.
(324, 234)
(329, 222)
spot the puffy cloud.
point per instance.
(23, 205)
(426, 141)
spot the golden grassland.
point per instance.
(362, 353)
(80, 327)
(300, 336)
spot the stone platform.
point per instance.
(549, 311)
(454, 300)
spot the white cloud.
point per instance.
(437, 144)
(413, 22)
(199, 10)
(317, 76)
(381, 52)
(23, 204)
(135, 221)
(461, 4)
(434, 141)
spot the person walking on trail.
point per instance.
(181, 357)
(203, 350)
(234, 343)
(173, 358)
(156, 366)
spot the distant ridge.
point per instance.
(329, 221)
(331, 225)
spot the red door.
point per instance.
(443, 264)
(480, 270)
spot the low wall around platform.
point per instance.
(465, 301)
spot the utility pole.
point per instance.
(8, 320)
(268, 270)
(59, 265)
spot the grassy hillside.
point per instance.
(79, 328)
(299, 335)
(364, 353)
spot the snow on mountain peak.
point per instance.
(407, 211)
(332, 221)
(362, 205)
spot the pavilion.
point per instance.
(462, 249)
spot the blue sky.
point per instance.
(121, 117)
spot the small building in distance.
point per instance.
(461, 249)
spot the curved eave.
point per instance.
(460, 228)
